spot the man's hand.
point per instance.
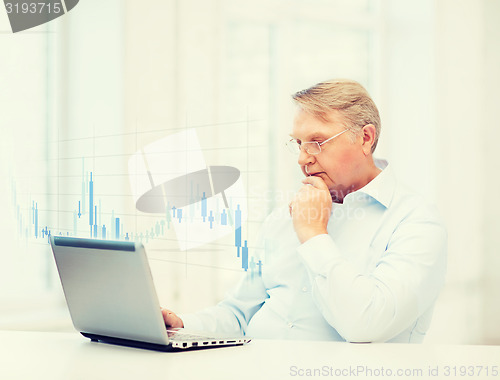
(171, 319)
(311, 208)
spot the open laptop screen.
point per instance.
(109, 288)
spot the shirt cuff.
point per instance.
(320, 253)
(191, 322)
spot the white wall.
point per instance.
(137, 72)
(467, 61)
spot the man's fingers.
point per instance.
(171, 319)
(317, 182)
(168, 316)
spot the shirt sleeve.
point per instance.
(376, 306)
(232, 315)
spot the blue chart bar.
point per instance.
(117, 228)
(204, 206)
(211, 219)
(95, 222)
(244, 257)
(237, 229)
(252, 266)
(91, 201)
(167, 215)
(36, 220)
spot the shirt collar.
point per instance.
(381, 188)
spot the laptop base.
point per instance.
(146, 345)
(128, 342)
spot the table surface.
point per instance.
(47, 355)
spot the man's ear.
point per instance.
(368, 135)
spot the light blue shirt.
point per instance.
(373, 278)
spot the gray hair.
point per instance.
(346, 96)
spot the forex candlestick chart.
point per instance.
(192, 202)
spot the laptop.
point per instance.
(111, 297)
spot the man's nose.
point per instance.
(304, 157)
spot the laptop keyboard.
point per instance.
(176, 335)
(181, 339)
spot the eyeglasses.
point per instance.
(311, 147)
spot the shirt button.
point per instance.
(290, 324)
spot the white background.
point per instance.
(111, 77)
